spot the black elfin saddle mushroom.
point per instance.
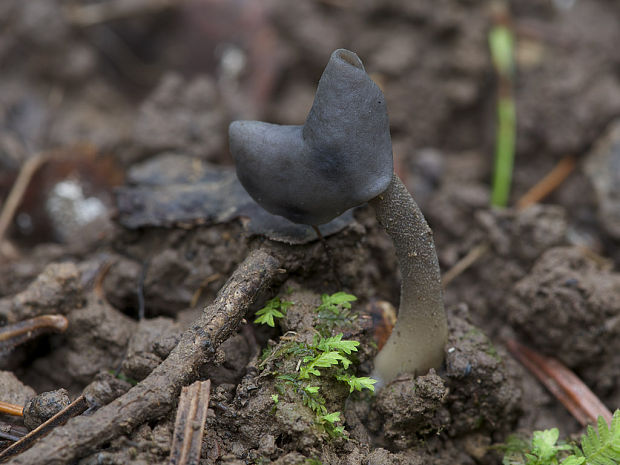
(341, 157)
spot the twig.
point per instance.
(156, 394)
(8, 251)
(190, 424)
(11, 409)
(100, 278)
(8, 436)
(23, 331)
(468, 260)
(549, 183)
(77, 407)
(28, 169)
(578, 399)
(12, 432)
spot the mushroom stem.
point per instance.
(420, 334)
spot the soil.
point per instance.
(135, 219)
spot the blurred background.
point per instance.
(503, 103)
(122, 80)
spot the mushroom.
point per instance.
(341, 158)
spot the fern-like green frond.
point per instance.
(602, 448)
(573, 460)
(336, 301)
(274, 308)
(323, 360)
(336, 343)
(357, 384)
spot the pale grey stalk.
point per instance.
(418, 339)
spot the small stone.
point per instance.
(41, 408)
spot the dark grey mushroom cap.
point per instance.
(340, 158)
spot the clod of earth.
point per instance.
(340, 158)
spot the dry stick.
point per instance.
(548, 184)
(8, 436)
(77, 407)
(468, 260)
(11, 409)
(29, 168)
(580, 401)
(190, 424)
(26, 330)
(155, 395)
(12, 432)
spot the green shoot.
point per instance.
(602, 448)
(504, 151)
(501, 44)
(274, 308)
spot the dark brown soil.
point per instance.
(137, 220)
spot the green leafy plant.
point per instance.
(274, 308)
(336, 302)
(326, 355)
(328, 422)
(602, 448)
(335, 310)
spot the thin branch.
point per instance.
(548, 184)
(190, 424)
(26, 330)
(464, 263)
(28, 169)
(11, 409)
(156, 395)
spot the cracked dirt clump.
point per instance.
(410, 408)
(568, 307)
(57, 289)
(477, 394)
(484, 394)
